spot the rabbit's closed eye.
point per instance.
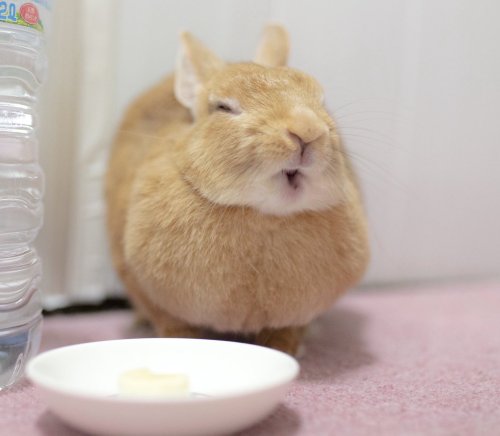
(227, 105)
(223, 107)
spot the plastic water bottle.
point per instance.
(22, 69)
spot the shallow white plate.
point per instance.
(234, 385)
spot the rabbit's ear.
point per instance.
(273, 47)
(195, 64)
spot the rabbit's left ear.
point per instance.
(195, 64)
(274, 47)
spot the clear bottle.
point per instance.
(22, 69)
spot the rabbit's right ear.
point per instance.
(195, 64)
(274, 47)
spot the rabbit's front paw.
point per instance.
(286, 339)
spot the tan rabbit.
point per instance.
(232, 207)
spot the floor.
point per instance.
(413, 361)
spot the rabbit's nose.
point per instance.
(305, 127)
(298, 140)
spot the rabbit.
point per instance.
(233, 209)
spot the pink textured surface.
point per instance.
(420, 361)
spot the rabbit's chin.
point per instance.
(295, 191)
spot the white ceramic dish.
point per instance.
(240, 384)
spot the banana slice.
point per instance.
(143, 382)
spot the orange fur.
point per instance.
(205, 232)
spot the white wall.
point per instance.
(415, 88)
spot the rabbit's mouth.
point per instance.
(292, 176)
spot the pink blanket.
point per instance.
(420, 361)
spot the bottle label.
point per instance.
(33, 13)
